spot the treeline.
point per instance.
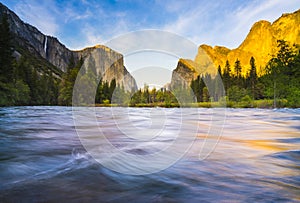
(282, 78)
(22, 83)
(26, 81)
(153, 97)
(278, 86)
(280, 82)
(89, 80)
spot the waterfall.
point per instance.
(45, 45)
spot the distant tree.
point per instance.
(218, 88)
(197, 88)
(206, 96)
(6, 58)
(145, 94)
(153, 93)
(296, 63)
(112, 87)
(227, 75)
(238, 68)
(67, 83)
(235, 93)
(253, 77)
(136, 98)
(227, 68)
(71, 63)
(22, 96)
(99, 94)
(160, 96)
(285, 55)
(238, 79)
(106, 91)
(282, 75)
(84, 94)
(220, 71)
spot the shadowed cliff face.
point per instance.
(49, 48)
(38, 44)
(108, 64)
(184, 73)
(261, 43)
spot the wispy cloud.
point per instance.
(244, 17)
(220, 23)
(79, 23)
(40, 14)
(73, 15)
(91, 35)
(82, 23)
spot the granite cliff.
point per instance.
(108, 64)
(261, 43)
(29, 41)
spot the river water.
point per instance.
(254, 156)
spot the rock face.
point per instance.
(261, 43)
(108, 64)
(36, 42)
(184, 73)
(49, 48)
(187, 69)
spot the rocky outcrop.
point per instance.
(30, 38)
(49, 48)
(56, 53)
(187, 69)
(183, 74)
(261, 43)
(109, 65)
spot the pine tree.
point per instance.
(238, 73)
(106, 91)
(220, 71)
(67, 83)
(253, 77)
(238, 68)
(112, 88)
(6, 58)
(227, 67)
(227, 75)
(285, 55)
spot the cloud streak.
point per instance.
(218, 23)
(41, 15)
(245, 17)
(84, 23)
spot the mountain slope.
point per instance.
(261, 43)
(48, 52)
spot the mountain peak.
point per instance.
(30, 42)
(261, 43)
(288, 15)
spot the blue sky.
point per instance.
(81, 23)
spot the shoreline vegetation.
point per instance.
(279, 87)
(28, 82)
(262, 104)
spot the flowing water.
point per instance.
(257, 158)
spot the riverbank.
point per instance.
(264, 104)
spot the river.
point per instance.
(253, 156)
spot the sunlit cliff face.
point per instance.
(261, 43)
